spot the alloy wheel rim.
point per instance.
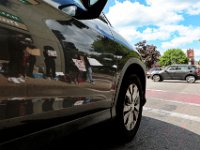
(131, 106)
(190, 79)
(156, 78)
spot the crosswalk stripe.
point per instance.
(174, 101)
(172, 114)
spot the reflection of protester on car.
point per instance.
(50, 55)
(16, 49)
(77, 68)
(88, 70)
(33, 52)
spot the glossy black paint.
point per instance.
(45, 77)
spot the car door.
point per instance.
(67, 73)
(88, 67)
(180, 72)
(168, 74)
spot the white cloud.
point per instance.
(197, 54)
(129, 32)
(126, 16)
(126, 13)
(155, 34)
(158, 21)
(187, 35)
(191, 7)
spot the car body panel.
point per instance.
(168, 74)
(59, 89)
(151, 70)
(35, 139)
(122, 75)
(75, 69)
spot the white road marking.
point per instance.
(174, 101)
(172, 114)
(170, 91)
(157, 90)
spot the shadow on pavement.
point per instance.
(152, 135)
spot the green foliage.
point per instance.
(104, 45)
(199, 62)
(173, 56)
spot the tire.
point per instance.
(190, 79)
(129, 108)
(156, 78)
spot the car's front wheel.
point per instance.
(190, 79)
(129, 108)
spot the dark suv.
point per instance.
(177, 72)
(63, 68)
(151, 70)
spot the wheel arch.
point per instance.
(190, 75)
(133, 66)
(195, 78)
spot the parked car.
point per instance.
(151, 70)
(177, 72)
(64, 68)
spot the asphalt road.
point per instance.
(171, 121)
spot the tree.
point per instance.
(148, 52)
(199, 62)
(173, 56)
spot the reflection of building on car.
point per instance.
(190, 73)
(59, 95)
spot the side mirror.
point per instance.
(83, 9)
(70, 10)
(89, 3)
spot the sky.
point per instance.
(164, 23)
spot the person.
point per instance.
(32, 57)
(88, 70)
(75, 72)
(16, 49)
(50, 56)
(25, 63)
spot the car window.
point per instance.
(171, 68)
(192, 67)
(152, 69)
(179, 68)
(158, 68)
